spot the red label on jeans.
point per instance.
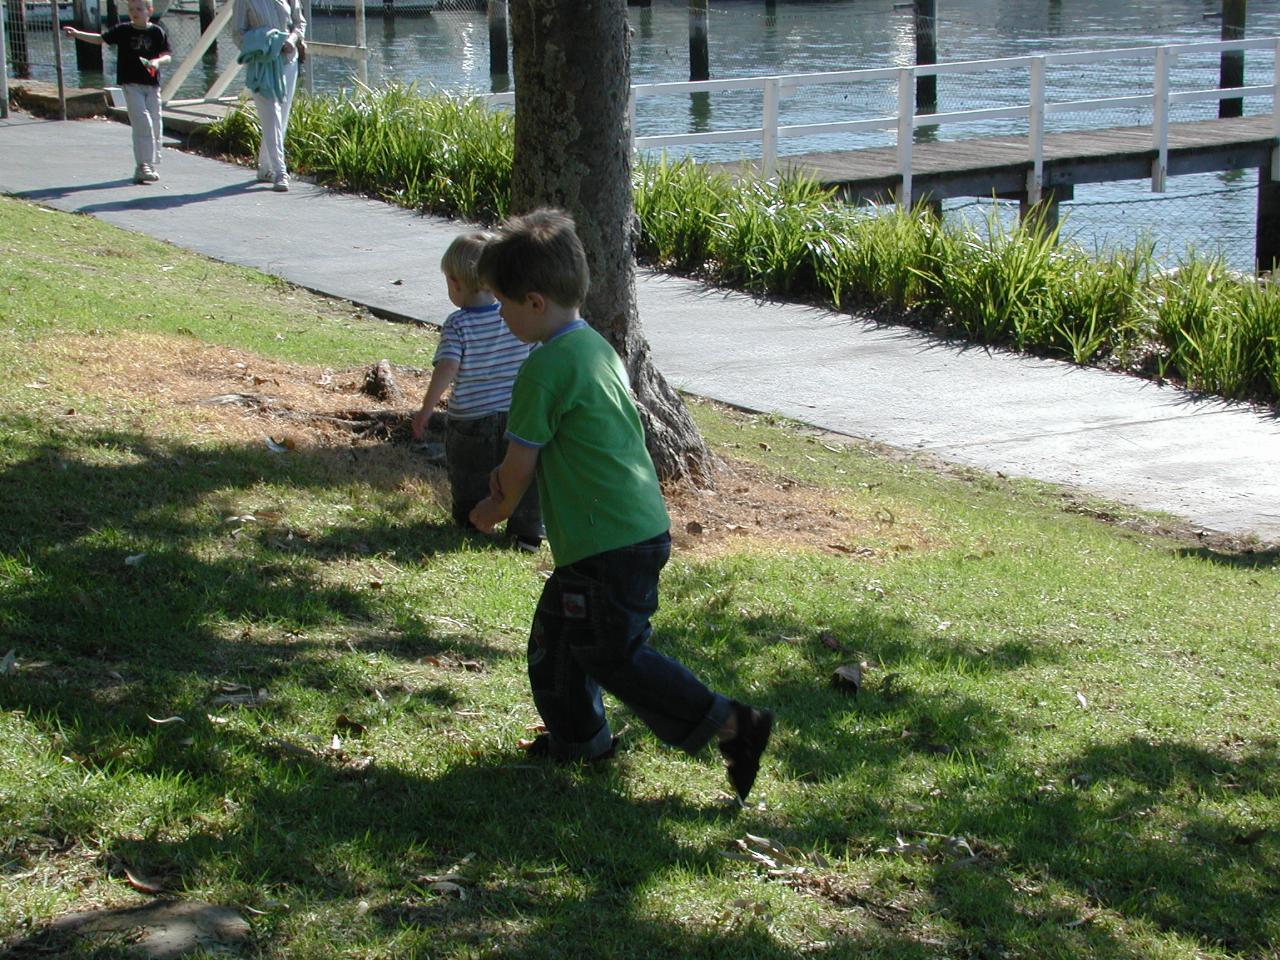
(574, 605)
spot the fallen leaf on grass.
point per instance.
(448, 888)
(134, 560)
(741, 908)
(848, 677)
(343, 722)
(450, 882)
(142, 884)
(244, 697)
(9, 664)
(1081, 921)
(829, 640)
(1083, 702)
(160, 722)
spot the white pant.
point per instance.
(143, 103)
(274, 117)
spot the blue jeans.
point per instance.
(591, 631)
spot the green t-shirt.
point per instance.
(596, 483)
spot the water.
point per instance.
(449, 50)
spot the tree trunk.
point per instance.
(572, 65)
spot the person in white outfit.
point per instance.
(273, 112)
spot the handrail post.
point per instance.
(1035, 177)
(179, 76)
(362, 42)
(769, 128)
(1160, 119)
(906, 132)
(631, 114)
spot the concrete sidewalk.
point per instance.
(1213, 463)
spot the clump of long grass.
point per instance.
(792, 238)
(1221, 329)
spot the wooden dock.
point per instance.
(999, 166)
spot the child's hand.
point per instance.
(486, 515)
(420, 423)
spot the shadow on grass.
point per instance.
(568, 861)
(1248, 560)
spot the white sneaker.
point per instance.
(140, 173)
(281, 184)
(264, 175)
(149, 174)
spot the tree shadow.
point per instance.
(567, 861)
(1244, 559)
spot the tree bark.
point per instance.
(572, 65)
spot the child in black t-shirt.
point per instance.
(141, 49)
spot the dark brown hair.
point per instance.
(538, 252)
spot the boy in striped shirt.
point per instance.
(479, 358)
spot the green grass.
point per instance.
(1066, 744)
(1201, 325)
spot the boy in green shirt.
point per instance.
(573, 426)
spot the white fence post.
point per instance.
(362, 65)
(1035, 176)
(631, 114)
(1160, 120)
(769, 125)
(906, 132)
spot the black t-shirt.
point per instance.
(132, 44)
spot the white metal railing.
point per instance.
(904, 122)
(215, 94)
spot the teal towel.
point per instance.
(264, 65)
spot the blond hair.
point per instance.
(462, 258)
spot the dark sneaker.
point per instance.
(742, 753)
(529, 544)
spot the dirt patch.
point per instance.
(242, 397)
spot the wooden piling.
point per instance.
(4, 74)
(699, 58)
(1267, 241)
(207, 11)
(1231, 62)
(498, 38)
(88, 55)
(1046, 212)
(926, 53)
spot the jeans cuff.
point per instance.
(587, 750)
(705, 731)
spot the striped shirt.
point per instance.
(488, 358)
